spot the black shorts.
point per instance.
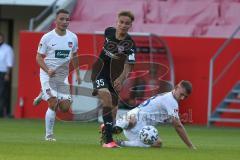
(103, 82)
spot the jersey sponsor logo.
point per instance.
(109, 54)
(61, 53)
(70, 44)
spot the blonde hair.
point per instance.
(126, 13)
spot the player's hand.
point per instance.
(51, 72)
(157, 144)
(118, 84)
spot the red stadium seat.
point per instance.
(86, 26)
(161, 17)
(229, 13)
(105, 11)
(169, 29)
(182, 12)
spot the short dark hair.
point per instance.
(126, 13)
(187, 85)
(62, 11)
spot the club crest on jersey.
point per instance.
(70, 44)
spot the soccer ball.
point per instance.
(148, 135)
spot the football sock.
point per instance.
(49, 121)
(108, 123)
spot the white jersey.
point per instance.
(158, 108)
(58, 51)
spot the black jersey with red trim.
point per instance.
(115, 53)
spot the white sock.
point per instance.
(49, 121)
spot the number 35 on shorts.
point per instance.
(100, 83)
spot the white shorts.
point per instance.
(132, 134)
(53, 88)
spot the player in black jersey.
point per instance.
(111, 69)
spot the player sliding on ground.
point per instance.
(161, 108)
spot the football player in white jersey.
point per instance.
(55, 50)
(162, 108)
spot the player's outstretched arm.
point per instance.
(182, 132)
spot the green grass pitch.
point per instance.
(23, 140)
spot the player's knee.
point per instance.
(64, 105)
(52, 102)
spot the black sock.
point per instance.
(108, 122)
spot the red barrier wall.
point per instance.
(191, 62)
(191, 58)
